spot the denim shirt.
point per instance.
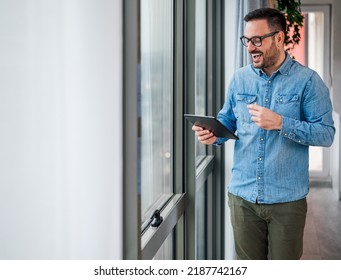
(271, 166)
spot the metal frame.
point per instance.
(189, 168)
(131, 196)
(179, 178)
(218, 89)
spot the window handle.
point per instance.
(156, 218)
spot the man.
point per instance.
(278, 108)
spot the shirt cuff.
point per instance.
(219, 141)
(289, 130)
(287, 127)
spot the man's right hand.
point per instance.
(204, 136)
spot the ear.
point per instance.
(280, 38)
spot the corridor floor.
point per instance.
(322, 237)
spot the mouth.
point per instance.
(256, 57)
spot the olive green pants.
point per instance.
(268, 231)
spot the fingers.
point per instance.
(207, 138)
(197, 128)
(204, 136)
(254, 106)
(201, 133)
(264, 118)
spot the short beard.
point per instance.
(272, 59)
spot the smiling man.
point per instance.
(278, 108)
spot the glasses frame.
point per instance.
(245, 41)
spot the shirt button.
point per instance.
(258, 178)
(269, 82)
(285, 134)
(260, 158)
(262, 139)
(267, 100)
(281, 100)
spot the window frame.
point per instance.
(137, 244)
(179, 214)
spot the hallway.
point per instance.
(322, 239)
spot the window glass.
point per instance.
(156, 103)
(200, 69)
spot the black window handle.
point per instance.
(156, 218)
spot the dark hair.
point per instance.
(275, 18)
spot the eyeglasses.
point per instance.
(256, 40)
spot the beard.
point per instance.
(266, 59)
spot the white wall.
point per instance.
(60, 125)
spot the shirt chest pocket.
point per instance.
(241, 111)
(288, 105)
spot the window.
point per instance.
(200, 70)
(314, 52)
(165, 78)
(156, 103)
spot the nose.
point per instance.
(250, 47)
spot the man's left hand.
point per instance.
(265, 118)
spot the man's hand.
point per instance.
(204, 136)
(265, 118)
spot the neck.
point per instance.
(277, 65)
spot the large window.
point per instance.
(168, 57)
(156, 103)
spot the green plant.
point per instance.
(295, 18)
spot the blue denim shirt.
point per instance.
(271, 166)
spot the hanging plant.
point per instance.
(292, 10)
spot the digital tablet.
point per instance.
(212, 124)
